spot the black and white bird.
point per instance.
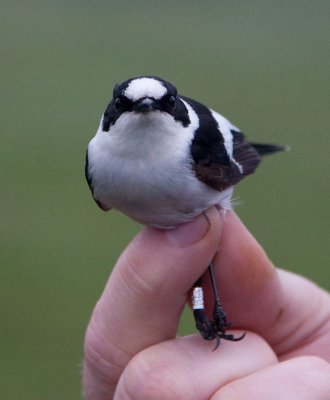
(162, 159)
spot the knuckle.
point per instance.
(140, 279)
(101, 357)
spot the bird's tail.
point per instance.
(265, 149)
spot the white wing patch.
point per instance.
(225, 127)
(194, 121)
(145, 87)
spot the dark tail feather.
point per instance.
(265, 149)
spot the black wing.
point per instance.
(87, 173)
(89, 180)
(212, 163)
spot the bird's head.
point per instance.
(143, 95)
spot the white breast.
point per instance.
(142, 167)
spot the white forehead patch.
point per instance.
(145, 87)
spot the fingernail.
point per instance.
(190, 232)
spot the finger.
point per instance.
(185, 368)
(289, 311)
(302, 378)
(145, 295)
(303, 327)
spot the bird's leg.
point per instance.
(219, 314)
(215, 329)
(220, 319)
(203, 324)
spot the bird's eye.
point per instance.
(117, 103)
(171, 101)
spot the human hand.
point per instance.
(131, 348)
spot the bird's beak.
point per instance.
(145, 105)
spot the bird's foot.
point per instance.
(216, 329)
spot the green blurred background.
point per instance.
(263, 64)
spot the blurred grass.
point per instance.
(265, 65)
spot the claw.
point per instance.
(232, 338)
(226, 336)
(217, 344)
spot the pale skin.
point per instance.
(131, 347)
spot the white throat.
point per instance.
(152, 134)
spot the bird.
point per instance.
(163, 159)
